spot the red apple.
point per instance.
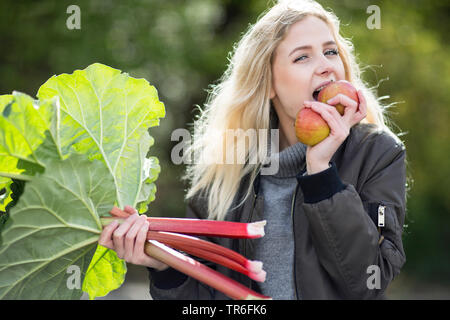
(335, 87)
(310, 127)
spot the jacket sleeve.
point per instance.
(171, 284)
(361, 260)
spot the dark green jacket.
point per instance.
(335, 224)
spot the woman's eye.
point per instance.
(301, 58)
(332, 51)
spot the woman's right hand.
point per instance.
(128, 240)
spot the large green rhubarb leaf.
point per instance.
(20, 107)
(54, 226)
(23, 123)
(94, 114)
(106, 114)
(105, 273)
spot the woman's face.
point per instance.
(306, 58)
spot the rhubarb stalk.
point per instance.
(162, 239)
(199, 271)
(213, 228)
(222, 260)
(178, 241)
(211, 252)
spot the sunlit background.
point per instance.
(181, 47)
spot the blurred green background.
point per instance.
(181, 47)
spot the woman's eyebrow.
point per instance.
(309, 47)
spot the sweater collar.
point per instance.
(291, 159)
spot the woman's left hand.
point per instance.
(319, 156)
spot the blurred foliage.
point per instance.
(182, 47)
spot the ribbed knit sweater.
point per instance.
(276, 248)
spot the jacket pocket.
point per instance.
(382, 215)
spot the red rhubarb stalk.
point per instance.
(222, 260)
(211, 252)
(213, 228)
(207, 250)
(178, 241)
(199, 271)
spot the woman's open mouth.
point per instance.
(316, 91)
(315, 94)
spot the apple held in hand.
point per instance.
(310, 127)
(335, 87)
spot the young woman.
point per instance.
(325, 203)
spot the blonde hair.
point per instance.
(241, 100)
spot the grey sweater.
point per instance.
(276, 248)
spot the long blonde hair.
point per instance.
(241, 100)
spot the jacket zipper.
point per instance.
(293, 230)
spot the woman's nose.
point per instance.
(324, 66)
